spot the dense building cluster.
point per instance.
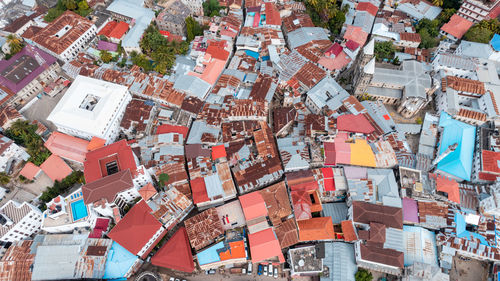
(273, 146)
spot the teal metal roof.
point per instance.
(119, 262)
(459, 162)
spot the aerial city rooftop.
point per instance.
(350, 140)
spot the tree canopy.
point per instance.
(80, 7)
(327, 14)
(363, 275)
(384, 50)
(23, 133)
(15, 44)
(157, 53)
(105, 56)
(483, 31)
(193, 28)
(428, 30)
(211, 8)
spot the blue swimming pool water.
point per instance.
(79, 210)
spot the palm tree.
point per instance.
(4, 178)
(15, 44)
(438, 3)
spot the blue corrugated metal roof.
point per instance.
(459, 162)
(495, 42)
(119, 262)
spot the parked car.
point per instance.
(249, 271)
(270, 269)
(212, 271)
(171, 279)
(265, 270)
(260, 269)
(276, 272)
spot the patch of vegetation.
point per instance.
(61, 187)
(483, 31)
(211, 8)
(15, 44)
(453, 4)
(428, 30)
(384, 51)
(105, 56)
(193, 28)
(4, 178)
(157, 53)
(163, 179)
(24, 134)
(81, 7)
(363, 275)
(327, 14)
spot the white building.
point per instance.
(66, 36)
(19, 221)
(91, 108)
(64, 214)
(10, 153)
(477, 11)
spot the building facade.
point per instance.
(19, 221)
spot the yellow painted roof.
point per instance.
(362, 154)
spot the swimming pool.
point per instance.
(79, 210)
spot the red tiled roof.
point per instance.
(490, 160)
(199, 190)
(366, 212)
(457, 26)
(135, 230)
(368, 7)
(46, 37)
(218, 151)
(356, 34)
(67, 146)
(354, 123)
(348, 231)
(253, 205)
(316, 229)
(107, 28)
(147, 191)
(167, 128)
(120, 29)
(95, 165)
(447, 185)
(272, 14)
(351, 45)
(264, 246)
(30, 171)
(412, 37)
(56, 168)
(217, 52)
(176, 253)
(107, 187)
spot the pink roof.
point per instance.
(356, 34)
(334, 49)
(351, 45)
(56, 168)
(410, 210)
(136, 229)
(30, 171)
(253, 205)
(328, 181)
(264, 245)
(338, 63)
(212, 71)
(167, 128)
(457, 26)
(119, 152)
(67, 147)
(256, 20)
(354, 124)
(341, 153)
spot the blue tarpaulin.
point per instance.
(253, 54)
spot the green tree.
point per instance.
(105, 56)
(23, 133)
(384, 50)
(363, 275)
(4, 178)
(193, 29)
(15, 44)
(211, 8)
(70, 4)
(445, 15)
(163, 179)
(438, 3)
(83, 5)
(483, 31)
(53, 14)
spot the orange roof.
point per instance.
(217, 51)
(236, 251)
(96, 143)
(120, 29)
(30, 171)
(348, 231)
(218, 151)
(490, 160)
(457, 26)
(356, 34)
(253, 205)
(368, 7)
(147, 191)
(56, 168)
(316, 229)
(107, 28)
(272, 14)
(67, 146)
(447, 185)
(264, 246)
